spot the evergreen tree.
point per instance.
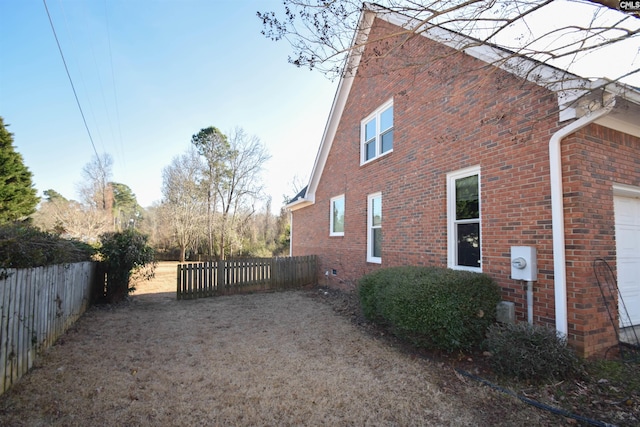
(53, 196)
(126, 210)
(17, 195)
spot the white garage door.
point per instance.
(627, 212)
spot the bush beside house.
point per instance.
(458, 132)
(433, 307)
(531, 352)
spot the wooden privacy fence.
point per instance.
(205, 279)
(38, 305)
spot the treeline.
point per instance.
(213, 204)
(260, 235)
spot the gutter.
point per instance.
(290, 233)
(557, 211)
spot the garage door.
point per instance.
(627, 212)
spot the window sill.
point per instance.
(463, 268)
(381, 156)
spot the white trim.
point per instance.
(370, 257)
(298, 204)
(452, 177)
(375, 115)
(339, 102)
(626, 190)
(290, 233)
(568, 89)
(344, 206)
(557, 213)
(612, 122)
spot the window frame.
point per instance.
(332, 232)
(452, 222)
(370, 227)
(378, 140)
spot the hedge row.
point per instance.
(24, 246)
(430, 306)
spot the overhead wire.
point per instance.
(98, 76)
(115, 93)
(75, 94)
(88, 104)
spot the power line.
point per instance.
(71, 81)
(113, 81)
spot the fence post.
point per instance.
(221, 275)
(273, 262)
(178, 290)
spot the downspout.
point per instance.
(290, 233)
(557, 212)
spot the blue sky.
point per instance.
(150, 74)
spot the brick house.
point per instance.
(550, 166)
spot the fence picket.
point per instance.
(210, 278)
(38, 305)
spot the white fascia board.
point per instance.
(623, 117)
(623, 91)
(614, 122)
(512, 62)
(569, 88)
(330, 130)
(339, 102)
(298, 203)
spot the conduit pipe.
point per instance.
(530, 302)
(557, 211)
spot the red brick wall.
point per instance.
(450, 113)
(593, 160)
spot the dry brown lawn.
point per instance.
(282, 358)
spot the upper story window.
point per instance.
(376, 133)
(463, 217)
(336, 221)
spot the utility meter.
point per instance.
(524, 263)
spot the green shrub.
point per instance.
(432, 307)
(124, 253)
(25, 246)
(530, 352)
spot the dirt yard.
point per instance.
(281, 358)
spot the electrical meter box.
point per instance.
(524, 265)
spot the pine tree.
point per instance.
(17, 195)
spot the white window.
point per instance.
(374, 228)
(336, 222)
(376, 133)
(463, 219)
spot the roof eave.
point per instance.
(339, 101)
(299, 203)
(568, 87)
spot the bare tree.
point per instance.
(323, 33)
(240, 187)
(213, 146)
(71, 219)
(152, 226)
(95, 190)
(184, 200)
